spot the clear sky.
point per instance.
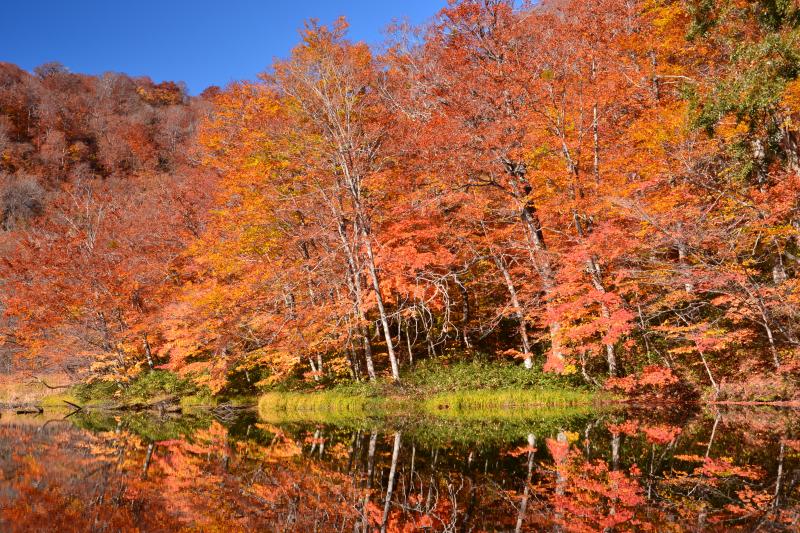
(200, 42)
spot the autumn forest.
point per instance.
(527, 266)
(604, 190)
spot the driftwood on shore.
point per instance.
(76, 406)
(38, 409)
(51, 387)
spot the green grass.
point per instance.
(59, 400)
(461, 389)
(506, 399)
(145, 425)
(495, 427)
(145, 387)
(323, 401)
(432, 377)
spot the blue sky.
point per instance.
(201, 42)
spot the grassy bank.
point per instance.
(434, 388)
(147, 389)
(508, 399)
(458, 389)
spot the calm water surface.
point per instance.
(726, 469)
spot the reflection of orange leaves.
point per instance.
(425, 521)
(558, 449)
(34, 469)
(269, 495)
(595, 498)
(724, 467)
(374, 513)
(168, 443)
(691, 458)
(521, 450)
(751, 502)
(661, 434)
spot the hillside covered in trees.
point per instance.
(608, 189)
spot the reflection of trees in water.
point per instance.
(616, 471)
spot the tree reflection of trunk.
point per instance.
(118, 465)
(373, 440)
(392, 471)
(413, 464)
(586, 440)
(713, 434)
(650, 472)
(355, 445)
(776, 498)
(523, 508)
(409, 489)
(147, 458)
(314, 441)
(561, 482)
(430, 502)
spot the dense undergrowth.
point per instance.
(148, 386)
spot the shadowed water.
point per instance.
(720, 469)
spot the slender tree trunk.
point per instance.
(596, 277)
(596, 139)
(776, 360)
(542, 264)
(523, 330)
(314, 369)
(147, 352)
(561, 481)
(597, 281)
(354, 284)
(615, 443)
(708, 371)
(354, 364)
(539, 255)
(368, 353)
(379, 299)
(683, 252)
(408, 346)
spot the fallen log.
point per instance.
(76, 406)
(51, 387)
(30, 410)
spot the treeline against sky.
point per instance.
(591, 187)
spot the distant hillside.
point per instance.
(95, 200)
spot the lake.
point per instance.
(713, 468)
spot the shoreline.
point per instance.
(334, 401)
